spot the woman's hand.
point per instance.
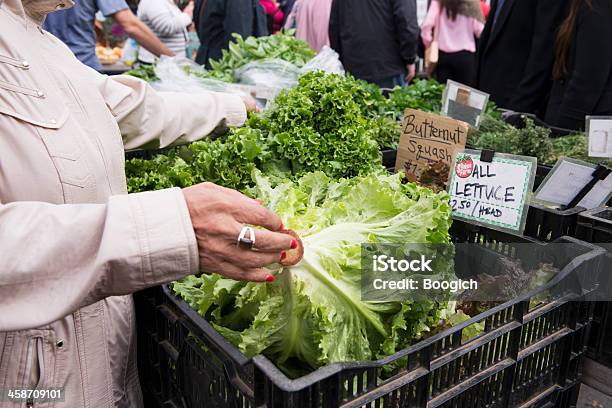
(250, 104)
(218, 215)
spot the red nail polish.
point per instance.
(270, 278)
(283, 255)
(294, 244)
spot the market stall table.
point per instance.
(115, 69)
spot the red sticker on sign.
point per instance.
(464, 166)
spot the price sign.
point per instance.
(494, 194)
(464, 103)
(428, 138)
(599, 129)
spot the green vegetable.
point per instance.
(318, 126)
(313, 127)
(313, 315)
(532, 140)
(425, 95)
(576, 146)
(282, 45)
(145, 72)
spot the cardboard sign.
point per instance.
(599, 129)
(494, 194)
(464, 103)
(567, 179)
(428, 138)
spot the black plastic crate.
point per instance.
(523, 355)
(595, 225)
(160, 336)
(547, 224)
(543, 224)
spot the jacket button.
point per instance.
(25, 64)
(53, 121)
(40, 94)
(60, 343)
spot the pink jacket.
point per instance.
(311, 18)
(73, 243)
(454, 36)
(272, 9)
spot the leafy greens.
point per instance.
(313, 315)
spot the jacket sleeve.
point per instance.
(161, 20)
(430, 23)
(55, 259)
(406, 28)
(334, 28)
(592, 67)
(537, 76)
(158, 119)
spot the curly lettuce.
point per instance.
(313, 314)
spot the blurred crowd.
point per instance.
(552, 58)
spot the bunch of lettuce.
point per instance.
(317, 126)
(228, 162)
(282, 45)
(313, 315)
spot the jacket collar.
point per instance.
(35, 10)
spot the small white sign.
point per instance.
(599, 129)
(567, 179)
(464, 103)
(494, 194)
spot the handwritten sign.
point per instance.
(493, 194)
(464, 103)
(599, 129)
(428, 138)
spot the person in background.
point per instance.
(485, 7)
(75, 27)
(169, 23)
(287, 7)
(217, 20)
(376, 40)
(311, 19)
(583, 66)
(460, 22)
(516, 53)
(274, 15)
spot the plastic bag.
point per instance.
(173, 78)
(326, 60)
(129, 55)
(273, 73)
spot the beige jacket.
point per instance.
(72, 242)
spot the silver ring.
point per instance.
(243, 240)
